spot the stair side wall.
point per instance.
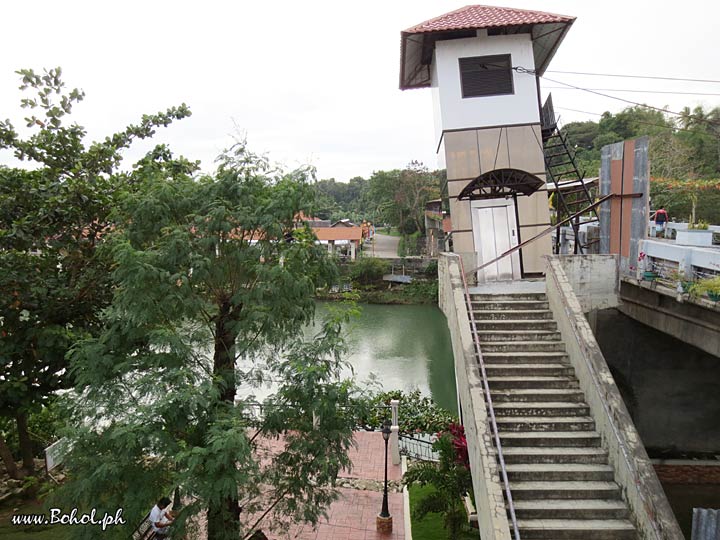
(492, 516)
(634, 473)
(594, 280)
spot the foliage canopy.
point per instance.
(54, 213)
(213, 285)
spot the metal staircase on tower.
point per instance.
(572, 193)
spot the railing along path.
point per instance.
(491, 410)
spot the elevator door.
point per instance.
(495, 233)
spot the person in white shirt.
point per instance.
(159, 520)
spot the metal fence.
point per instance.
(418, 447)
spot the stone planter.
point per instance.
(694, 237)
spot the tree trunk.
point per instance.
(224, 355)
(8, 460)
(26, 450)
(224, 516)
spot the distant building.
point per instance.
(343, 223)
(343, 240)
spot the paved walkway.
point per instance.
(352, 516)
(384, 247)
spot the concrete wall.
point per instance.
(457, 112)
(487, 487)
(669, 387)
(594, 279)
(633, 471)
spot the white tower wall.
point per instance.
(453, 112)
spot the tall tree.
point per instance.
(416, 186)
(53, 215)
(213, 285)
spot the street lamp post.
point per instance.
(384, 519)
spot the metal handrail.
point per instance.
(491, 410)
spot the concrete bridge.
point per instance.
(554, 451)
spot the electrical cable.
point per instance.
(527, 71)
(639, 91)
(634, 76)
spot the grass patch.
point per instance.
(8, 531)
(431, 526)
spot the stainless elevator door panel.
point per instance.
(495, 233)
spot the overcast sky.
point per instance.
(317, 82)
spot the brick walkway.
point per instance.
(369, 458)
(352, 516)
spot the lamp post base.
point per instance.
(383, 525)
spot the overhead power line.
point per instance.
(638, 91)
(635, 76)
(525, 70)
(614, 97)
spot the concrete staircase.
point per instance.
(560, 480)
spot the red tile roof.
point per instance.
(486, 17)
(338, 233)
(547, 31)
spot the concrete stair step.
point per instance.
(545, 423)
(516, 314)
(532, 472)
(554, 454)
(532, 382)
(580, 529)
(550, 438)
(522, 347)
(510, 304)
(571, 509)
(522, 491)
(516, 324)
(541, 409)
(521, 369)
(523, 357)
(510, 297)
(536, 394)
(518, 335)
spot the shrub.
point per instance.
(425, 292)
(402, 247)
(450, 477)
(709, 286)
(431, 270)
(418, 413)
(368, 270)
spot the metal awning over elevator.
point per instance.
(501, 183)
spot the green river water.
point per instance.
(406, 347)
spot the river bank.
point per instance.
(419, 292)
